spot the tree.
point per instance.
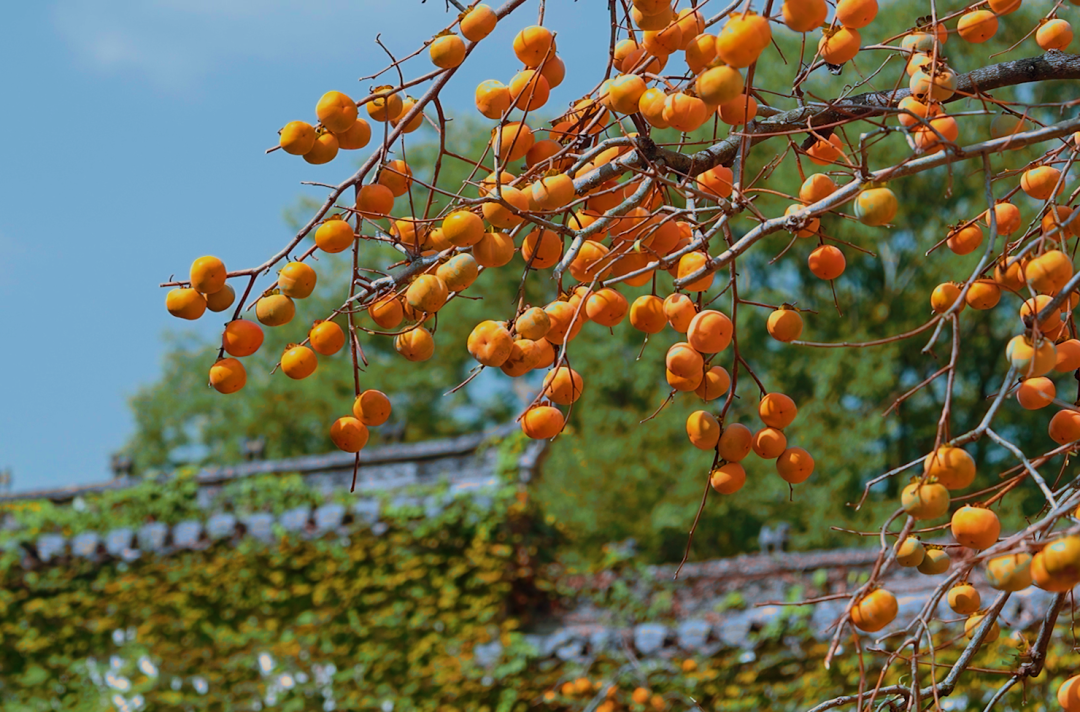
(636, 180)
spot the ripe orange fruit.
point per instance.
(524, 357)
(663, 42)
(275, 310)
(529, 90)
(208, 275)
(1040, 182)
(607, 307)
(983, 294)
(735, 442)
(490, 343)
(743, 38)
(874, 611)
(977, 26)
(227, 375)
(714, 383)
(220, 300)
(910, 552)
(397, 176)
(777, 410)
(542, 422)
(647, 314)
(427, 293)
(386, 106)
(298, 362)
(1068, 695)
(718, 181)
(784, 325)
(464, 229)
(964, 240)
(1036, 393)
(826, 151)
(326, 337)
(974, 622)
(738, 111)
(1055, 34)
(542, 249)
(534, 323)
(703, 430)
(876, 206)
(459, 272)
(685, 112)
(912, 110)
(542, 153)
(494, 250)
(1049, 272)
(447, 51)
(1003, 7)
(387, 311)
(324, 150)
(553, 192)
(804, 15)
(719, 84)
(1057, 223)
(415, 344)
(297, 138)
(1010, 572)
(478, 23)
(700, 51)
(492, 98)
(812, 224)
(1031, 360)
(975, 527)
(817, 186)
(334, 235)
(296, 280)
(683, 361)
(185, 303)
(336, 111)
(590, 262)
(944, 296)
(691, 263)
(647, 21)
(512, 140)
(952, 467)
(349, 434)
(374, 201)
(935, 562)
(927, 500)
(964, 599)
(1068, 356)
(680, 312)
(827, 262)
(566, 322)
(728, 478)
(533, 44)
(359, 134)
(840, 45)
(623, 92)
(769, 443)
(241, 338)
(856, 13)
(709, 332)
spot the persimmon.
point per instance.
(935, 562)
(542, 152)
(1036, 393)
(415, 344)
(208, 274)
(324, 150)
(387, 312)
(553, 70)
(876, 206)
(701, 51)
(349, 434)
(1058, 224)
(359, 134)
(566, 322)
(185, 303)
(804, 15)
(336, 111)
(920, 41)
(692, 24)
(490, 343)
(1044, 580)
(623, 92)
(227, 375)
(427, 293)
(459, 272)
(1068, 694)
(719, 84)
(478, 23)
(298, 362)
(296, 280)
(944, 296)
(826, 262)
(729, 478)
(563, 385)
(931, 139)
(684, 112)
(684, 361)
(1031, 358)
(652, 21)
(743, 38)
(606, 307)
(1049, 272)
(495, 249)
(709, 332)
(715, 382)
(297, 137)
(512, 140)
(220, 300)
(651, 106)
(532, 45)
(1054, 34)
(825, 151)
(703, 430)
(463, 228)
(811, 225)
(1007, 216)
(1061, 558)
(983, 294)
(817, 186)
(447, 51)
(374, 201)
(542, 249)
(918, 62)
(840, 45)
(1009, 572)
(964, 240)
(326, 338)
(647, 314)
(777, 410)
(1067, 356)
(524, 355)
(545, 353)
(973, 623)
(689, 264)
(275, 310)
(768, 443)
(977, 26)
(1041, 182)
(492, 98)
(738, 111)
(334, 235)
(529, 90)
(534, 323)
(925, 500)
(856, 14)
(952, 467)
(874, 611)
(910, 552)
(936, 85)
(684, 384)
(912, 111)
(964, 599)
(664, 41)
(1032, 307)
(553, 192)
(397, 176)
(975, 527)
(735, 442)
(784, 325)
(1003, 7)
(795, 465)
(716, 181)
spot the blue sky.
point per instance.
(134, 137)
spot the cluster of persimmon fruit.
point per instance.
(582, 688)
